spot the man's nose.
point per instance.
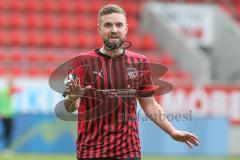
(114, 29)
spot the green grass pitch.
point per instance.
(71, 157)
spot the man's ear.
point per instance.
(126, 28)
(99, 28)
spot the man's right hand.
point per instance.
(75, 90)
(74, 93)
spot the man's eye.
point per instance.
(119, 24)
(107, 25)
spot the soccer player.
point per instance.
(106, 95)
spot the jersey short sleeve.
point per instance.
(146, 85)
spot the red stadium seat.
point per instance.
(2, 38)
(2, 57)
(33, 38)
(49, 58)
(93, 23)
(81, 7)
(34, 71)
(237, 11)
(49, 6)
(167, 59)
(133, 24)
(16, 21)
(15, 5)
(2, 71)
(32, 5)
(4, 20)
(49, 39)
(183, 75)
(48, 22)
(95, 7)
(65, 22)
(66, 40)
(148, 42)
(235, 2)
(33, 57)
(32, 21)
(82, 23)
(64, 6)
(130, 7)
(135, 39)
(16, 57)
(83, 41)
(47, 71)
(97, 41)
(16, 70)
(2, 5)
(16, 38)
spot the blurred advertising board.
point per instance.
(208, 101)
(36, 97)
(195, 21)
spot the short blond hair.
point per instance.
(109, 9)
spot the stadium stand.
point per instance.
(72, 26)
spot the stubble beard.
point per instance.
(111, 46)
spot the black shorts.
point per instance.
(109, 158)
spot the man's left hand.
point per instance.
(186, 137)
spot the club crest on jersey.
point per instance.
(132, 72)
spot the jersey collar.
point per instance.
(105, 55)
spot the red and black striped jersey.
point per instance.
(107, 119)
